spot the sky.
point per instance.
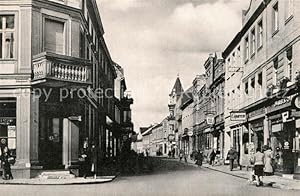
(157, 40)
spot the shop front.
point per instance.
(218, 140)
(284, 135)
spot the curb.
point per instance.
(47, 182)
(235, 175)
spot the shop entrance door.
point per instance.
(51, 143)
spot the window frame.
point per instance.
(65, 32)
(247, 48)
(275, 17)
(260, 34)
(4, 31)
(253, 42)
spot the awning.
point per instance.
(276, 128)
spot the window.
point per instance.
(260, 79)
(253, 41)
(260, 34)
(54, 36)
(289, 55)
(275, 18)
(275, 66)
(82, 45)
(7, 34)
(253, 82)
(289, 9)
(246, 88)
(246, 48)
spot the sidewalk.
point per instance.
(274, 181)
(75, 181)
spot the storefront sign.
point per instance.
(281, 102)
(190, 133)
(257, 112)
(238, 116)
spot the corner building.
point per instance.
(47, 46)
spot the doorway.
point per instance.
(51, 142)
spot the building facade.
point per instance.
(54, 64)
(175, 115)
(268, 67)
(186, 132)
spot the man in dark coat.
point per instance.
(231, 156)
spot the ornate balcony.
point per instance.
(60, 70)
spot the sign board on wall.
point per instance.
(238, 116)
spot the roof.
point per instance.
(177, 87)
(187, 99)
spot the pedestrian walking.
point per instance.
(231, 156)
(269, 159)
(180, 155)
(199, 158)
(173, 152)
(185, 155)
(258, 161)
(6, 160)
(94, 161)
(85, 156)
(212, 157)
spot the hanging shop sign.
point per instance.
(171, 137)
(285, 116)
(296, 102)
(286, 145)
(238, 116)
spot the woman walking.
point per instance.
(268, 162)
(259, 158)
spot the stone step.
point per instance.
(56, 175)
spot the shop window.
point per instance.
(7, 35)
(8, 125)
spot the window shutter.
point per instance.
(54, 36)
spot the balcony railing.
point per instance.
(63, 68)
